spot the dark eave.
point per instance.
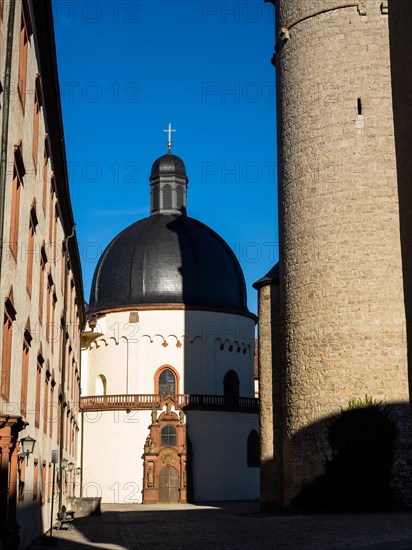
(46, 51)
(271, 278)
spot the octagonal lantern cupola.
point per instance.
(168, 185)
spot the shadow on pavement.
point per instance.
(233, 526)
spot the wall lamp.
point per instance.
(27, 448)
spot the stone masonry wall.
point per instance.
(342, 299)
(270, 399)
(400, 29)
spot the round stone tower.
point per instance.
(341, 284)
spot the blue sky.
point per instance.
(127, 69)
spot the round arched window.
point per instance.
(100, 385)
(231, 385)
(167, 382)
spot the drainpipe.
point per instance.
(64, 343)
(5, 122)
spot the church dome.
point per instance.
(168, 164)
(168, 259)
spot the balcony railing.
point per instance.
(150, 401)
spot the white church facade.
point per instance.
(168, 399)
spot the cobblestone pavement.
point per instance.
(232, 526)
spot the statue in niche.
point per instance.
(169, 406)
(150, 475)
(154, 416)
(181, 416)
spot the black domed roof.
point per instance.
(168, 164)
(168, 259)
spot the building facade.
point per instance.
(343, 292)
(40, 283)
(168, 372)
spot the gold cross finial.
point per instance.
(169, 131)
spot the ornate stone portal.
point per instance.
(166, 457)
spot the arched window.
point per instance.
(253, 449)
(167, 197)
(100, 386)
(155, 197)
(168, 435)
(179, 195)
(167, 382)
(231, 385)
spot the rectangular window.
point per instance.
(63, 267)
(9, 317)
(39, 368)
(24, 43)
(61, 342)
(68, 377)
(53, 312)
(41, 282)
(51, 216)
(49, 307)
(35, 478)
(45, 173)
(51, 409)
(25, 32)
(43, 482)
(53, 327)
(30, 258)
(22, 479)
(71, 438)
(46, 404)
(71, 301)
(18, 175)
(49, 483)
(25, 371)
(15, 213)
(72, 379)
(31, 249)
(48, 310)
(37, 406)
(56, 218)
(6, 356)
(36, 120)
(59, 408)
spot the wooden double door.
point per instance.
(168, 484)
